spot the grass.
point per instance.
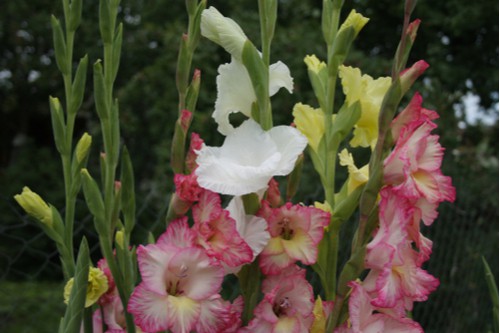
(30, 306)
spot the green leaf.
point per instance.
(345, 120)
(490, 280)
(58, 125)
(94, 200)
(60, 46)
(75, 15)
(76, 305)
(128, 191)
(117, 48)
(78, 86)
(100, 92)
(105, 22)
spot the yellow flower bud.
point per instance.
(314, 64)
(83, 147)
(354, 20)
(35, 206)
(96, 287)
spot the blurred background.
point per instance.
(458, 38)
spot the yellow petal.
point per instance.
(370, 93)
(319, 322)
(357, 176)
(354, 20)
(309, 122)
(35, 206)
(314, 64)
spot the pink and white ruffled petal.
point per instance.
(398, 325)
(214, 315)
(319, 221)
(201, 276)
(153, 262)
(389, 289)
(183, 314)
(208, 208)
(178, 234)
(151, 311)
(227, 243)
(360, 309)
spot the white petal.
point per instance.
(251, 228)
(279, 77)
(244, 164)
(234, 94)
(290, 143)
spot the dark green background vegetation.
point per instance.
(458, 38)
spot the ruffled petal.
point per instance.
(231, 97)
(150, 310)
(279, 77)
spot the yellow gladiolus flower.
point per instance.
(96, 287)
(354, 20)
(357, 176)
(314, 64)
(310, 122)
(369, 93)
(35, 206)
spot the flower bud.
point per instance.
(314, 64)
(83, 147)
(35, 206)
(223, 31)
(410, 75)
(119, 239)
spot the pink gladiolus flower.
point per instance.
(365, 318)
(401, 281)
(295, 233)
(179, 284)
(414, 166)
(287, 305)
(216, 232)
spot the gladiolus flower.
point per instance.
(179, 284)
(369, 93)
(249, 158)
(216, 232)
(311, 123)
(364, 317)
(97, 286)
(295, 233)
(354, 20)
(287, 305)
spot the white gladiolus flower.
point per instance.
(249, 158)
(223, 31)
(235, 91)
